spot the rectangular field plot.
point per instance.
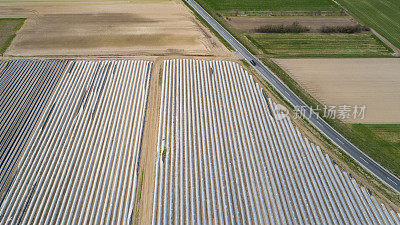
(373, 82)
(319, 45)
(226, 155)
(82, 28)
(80, 166)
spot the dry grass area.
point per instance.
(248, 24)
(366, 81)
(108, 28)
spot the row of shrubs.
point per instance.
(297, 28)
(292, 28)
(344, 29)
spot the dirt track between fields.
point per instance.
(374, 83)
(155, 28)
(148, 158)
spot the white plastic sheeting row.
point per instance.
(25, 89)
(224, 159)
(80, 166)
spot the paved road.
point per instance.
(325, 128)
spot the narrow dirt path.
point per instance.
(147, 168)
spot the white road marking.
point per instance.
(364, 160)
(339, 140)
(391, 180)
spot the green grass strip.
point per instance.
(10, 33)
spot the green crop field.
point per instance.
(8, 28)
(383, 141)
(381, 15)
(319, 45)
(388, 133)
(274, 5)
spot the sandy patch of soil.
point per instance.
(374, 83)
(248, 24)
(154, 28)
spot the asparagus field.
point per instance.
(227, 156)
(80, 165)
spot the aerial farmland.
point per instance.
(225, 157)
(344, 47)
(187, 112)
(62, 28)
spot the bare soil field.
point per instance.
(373, 82)
(248, 24)
(109, 28)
